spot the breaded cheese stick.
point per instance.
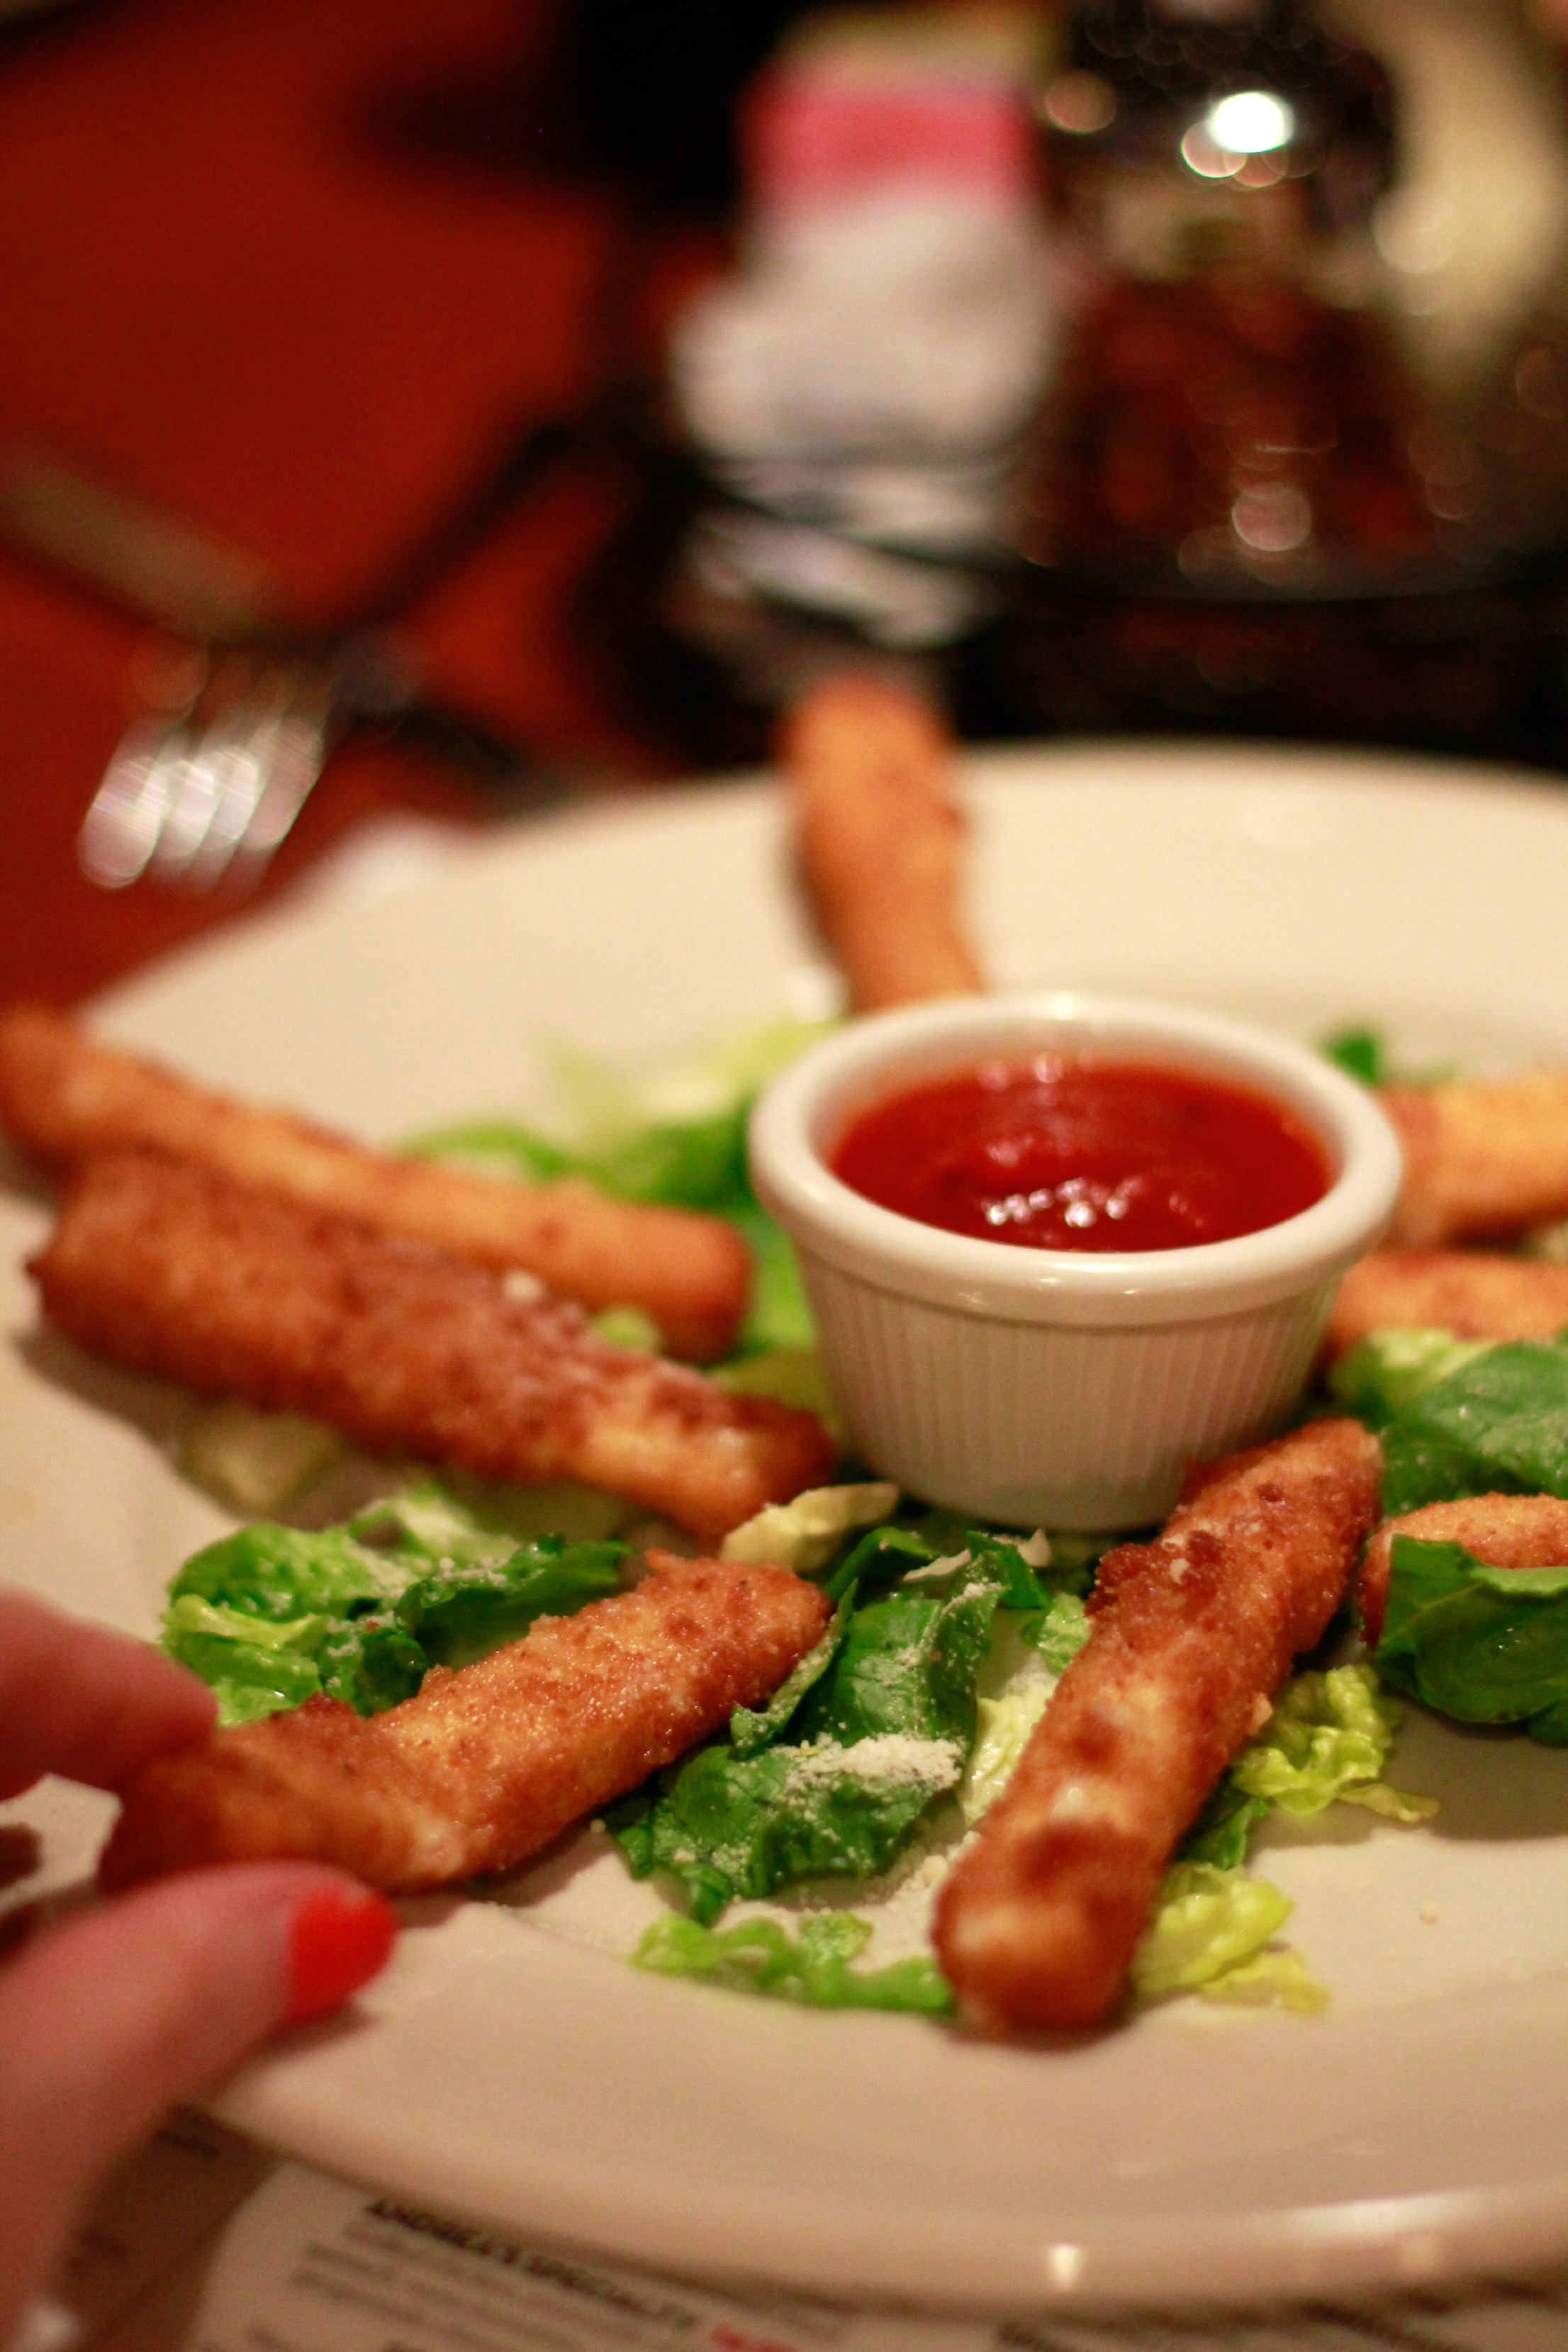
(484, 1766)
(1191, 1637)
(1475, 1294)
(168, 1269)
(880, 839)
(63, 1097)
(1484, 1159)
(1509, 1531)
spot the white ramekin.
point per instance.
(1048, 1387)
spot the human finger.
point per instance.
(85, 1702)
(113, 2016)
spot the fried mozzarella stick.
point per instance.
(880, 839)
(1475, 1294)
(1484, 1159)
(486, 1764)
(66, 1097)
(1507, 1530)
(1191, 1637)
(168, 1269)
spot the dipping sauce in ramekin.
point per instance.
(1027, 1377)
(1072, 1152)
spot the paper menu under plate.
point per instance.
(203, 2242)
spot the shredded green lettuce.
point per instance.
(272, 1616)
(759, 1956)
(806, 1533)
(1382, 1376)
(254, 1463)
(674, 1136)
(1481, 1643)
(754, 1728)
(1361, 1053)
(1460, 1417)
(833, 1778)
(1015, 1686)
(1207, 1922)
(1327, 1742)
(791, 1376)
(1273, 1978)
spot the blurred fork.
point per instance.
(207, 778)
(202, 789)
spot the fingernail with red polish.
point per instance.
(338, 1940)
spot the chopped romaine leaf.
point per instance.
(277, 1573)
(1492, 1420)
(779, 1315)
(272, 1615)
(1481, 1643)
(908, 1667)
(1223, 1830)
(254, 1461)
(485, 1519)
(1279, 1980)
(1361, 1053)
(629, 1328)
(727, 1825)
(879, 1560)
(1060, 1631)
(1328, 1742)
(256, 1665)
(1014, 1688)
(752, 1729)
(1207, 1920)
(791, 1376)
(695, 1164)
(190, 1615)
(759, 1956)
(881, 1733)
(371, 1665)
(247, 1682)
(464, 1610)
(1382, 1375)
(493, 1147)
(805, 1534)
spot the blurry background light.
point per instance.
(1251, 122)
(1201, 154)
(1079, 102)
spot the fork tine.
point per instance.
(203, 795)
(122, 826)
(298, 758)
(207, 772)
(245, 765)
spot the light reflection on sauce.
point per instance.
(1078, 1153)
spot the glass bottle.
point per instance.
(1289, 478)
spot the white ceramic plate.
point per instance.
(512, 2065)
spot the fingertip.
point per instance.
(339, 1936)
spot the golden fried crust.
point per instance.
(488, 1764)
(1509, 1531)
(170, 1270)
(1475, 1294)
(65, 1097)
(880, 839)
(1191, 1637)
(1484, 1160)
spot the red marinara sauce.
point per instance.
(1070, 1152)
